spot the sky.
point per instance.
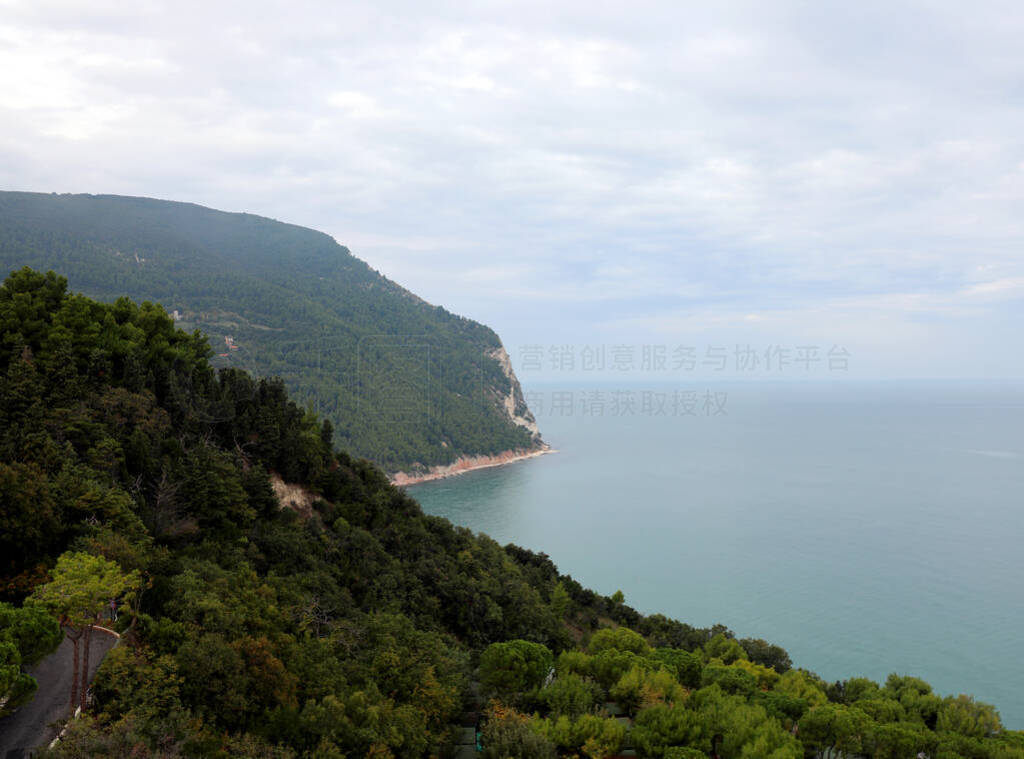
(684, 176)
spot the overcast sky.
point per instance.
(705, 174)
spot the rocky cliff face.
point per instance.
(514, 403)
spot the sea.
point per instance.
(866, 527)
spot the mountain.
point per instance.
(428, 388)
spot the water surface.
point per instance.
(866, 528)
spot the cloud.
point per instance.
(729, 163)
(1009, 287)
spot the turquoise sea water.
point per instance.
(866, 528)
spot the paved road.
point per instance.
(32, 724)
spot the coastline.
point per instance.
(467, 464)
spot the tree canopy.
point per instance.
(26, 635)
(81, 587)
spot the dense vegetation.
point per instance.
(361, 627)
(27, 634)
(345, 340)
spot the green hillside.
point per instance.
(350, 625)
(281, 300)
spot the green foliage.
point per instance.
(570, 695)
(29, 517)
(965, 716)
(686, 666)
(916, 697)
(26, 635)
(137, 683)
(745, 729)
(683, 752)
(801, 684)
(765, 677)
(663, 632)
(642, 687)
(174, 736)
(882, 709)
(15, 687)
(766, 654)
(898, 741)
(32, 631)
(664, 726)
(516, 666)
(786, 709)
(593, 736)
(511, 736)
(235, 682)
(730, 679)
(859, 688)
(727, 650)
(608, 667)
(81, 588)
(830, 728)
(560, 600)
(574, 662)
(618, 639)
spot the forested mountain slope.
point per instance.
(427, 386)
(355, 625)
